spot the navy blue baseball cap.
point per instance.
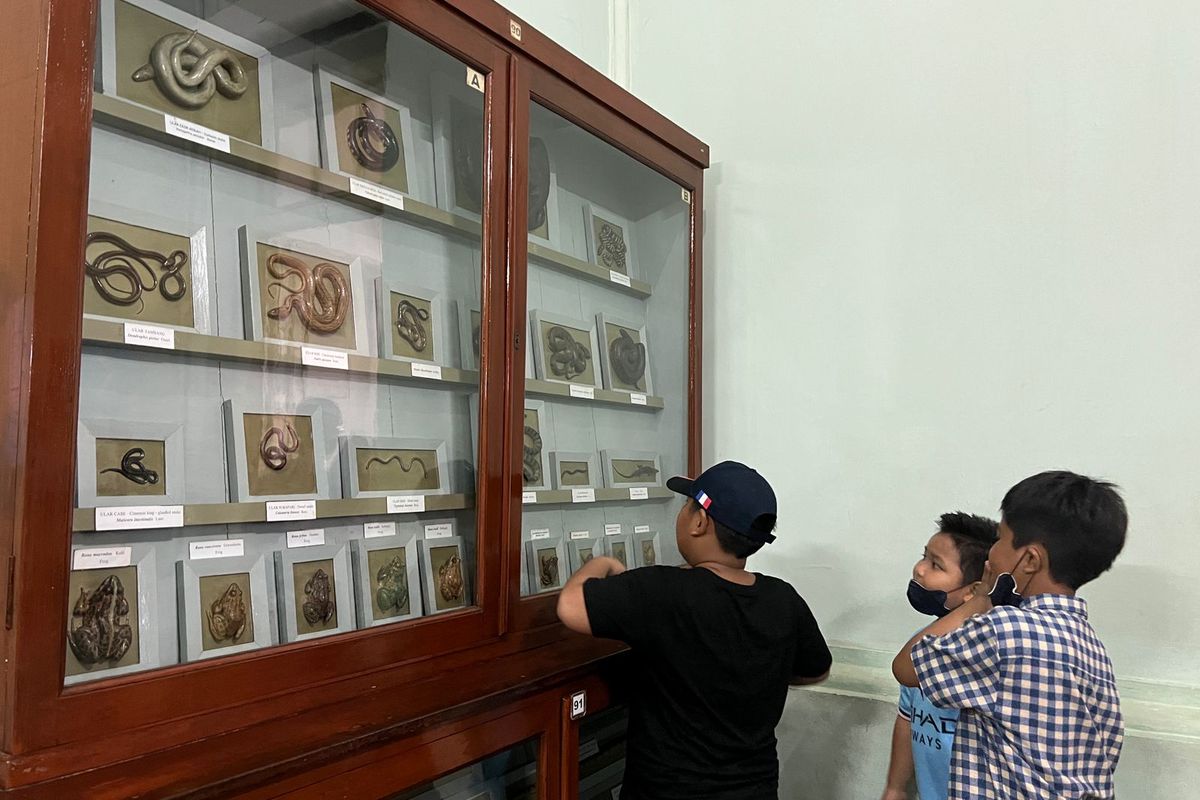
(735, 496)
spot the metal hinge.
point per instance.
(516, 341)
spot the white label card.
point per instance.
(583, 495)
(406, 504)
(581, 534)
(320, 357)
(196, 133)
(639, 493)
(150, 336)
(475, 80)
(514, 29)
(310, 538)
(377, 530)
(641, 528)
(380, 194)
(686, 195)
(588, 748)
(440, 530)
(221, 548)
(637, 398)
(543, 533)
(583, 392)
(612, 529)
(431, 371)
(99, 557)
(528, 497)
(284, 510)
(619, 277)
(124, 518)
(578, 705)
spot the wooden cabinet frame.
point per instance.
(163, 731)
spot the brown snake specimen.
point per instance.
(408, 325)
(276, 444)
(121, 275)
(322, 299)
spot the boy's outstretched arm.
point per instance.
(977, 603)
(572, 610)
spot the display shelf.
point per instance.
(147, 123)
(110, 334)
(552, 497)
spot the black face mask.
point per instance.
(1005, 593)
(927, 601)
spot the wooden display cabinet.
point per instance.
(377, 710)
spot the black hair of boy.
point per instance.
(1079, 520)
(730, 540)
(973, 537)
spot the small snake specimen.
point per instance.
(133, 469)
(450, 579)
(319, 604)
(189, 72)
(628, 358)
(276, 444)
(568, 357)
(549, 570)
(99, 629)
(640, 471)
(610, 251)
(383, 462)
(372, 141)
(408, 325)
(531, 461)
(573, 471)
(322, 299)
(120, 276)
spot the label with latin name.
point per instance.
(539, 533)
(100, 557)
(619, 277)
(583, 495)
(406, 504)
(641, 528)
(637, 398)
(612, 529)
(150, 336)
(196, 133)
(475, 80)
(311, 538)
(588, 748)
(528, 497)
(440, 530)
(377, 530)
(639, 493)
(284, 510)
(380, 194)
(320, 357)
(123, 518)
(221, 548)
(581, 534)
(431, 371)
(583, 392)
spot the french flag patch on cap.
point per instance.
(704, 500)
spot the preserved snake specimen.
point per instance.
(120, 276)
(383, 462)
(393, 585)
(628, 358)
(539, 183)
(319, 604)
(450, 579)
(568, 357)
(549, 570)
(610, 247)
(99, 630)
(227, 615)
(531, 456)
(189, 72)
(567, 471)
(408, 325)
(321, 300)
(276, 444)
(372, 141)
(639, 471)
(133, 469)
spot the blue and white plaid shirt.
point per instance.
(1041, 717)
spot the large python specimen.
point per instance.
(628, 358)
(322, 299)
(568, 357)
(189, 72)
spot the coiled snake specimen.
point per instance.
(276, 444)
(372, 141)
(408, 325)
(322, 299)
(531, 456)
(319, 603)
(99, 628)
(610, 247)
(450, 579)
(568, 357)
(132, 468)
(120, 276)
(189, 72)
(628, 358)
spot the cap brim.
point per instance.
(681, 485)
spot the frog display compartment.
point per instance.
(194, 615)
(288, 600)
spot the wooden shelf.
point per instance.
(107, 333)
(149, 124)
(555, 497)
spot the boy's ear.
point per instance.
(699, 523)
(1035, 561)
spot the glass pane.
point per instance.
(510, 775)
(602, 754)
(606, 364)
(277, 403)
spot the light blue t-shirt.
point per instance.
(932, 741)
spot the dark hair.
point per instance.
(973, 537)
(1080, 521)
(730, 540)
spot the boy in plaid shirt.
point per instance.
(1040, 716)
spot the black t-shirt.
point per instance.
(713, 662)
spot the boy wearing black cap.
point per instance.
(716, 646)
